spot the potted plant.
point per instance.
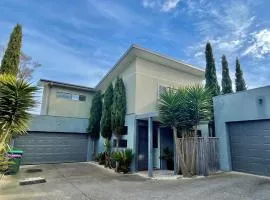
(168, 157)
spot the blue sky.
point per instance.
(79, 41)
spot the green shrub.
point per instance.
(124, 158)
(167, 154)
(109, 159)
(116, 156)
(168, 157)
(100, 158)
(107, 145)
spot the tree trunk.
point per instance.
(193, 161)
(175, 151)
(117, 143)
(117, 149)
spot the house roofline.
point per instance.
(240, 92)
(66, 85)
(195, 70)
(135, 46)
(166, 57)
(115, 65)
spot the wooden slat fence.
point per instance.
(206, 154)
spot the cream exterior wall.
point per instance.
(141, 78)
(44, 104)
(129, 77)
(149, 76)
(51, 105)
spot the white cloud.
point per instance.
(260, 45)
(162, 5)
(169, 5)
(149, 3)
(226, 25)
(229, 26)
(115, 12)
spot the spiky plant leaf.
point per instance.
(198, 104)
(172, 107)
(185, 107)
(16, 100)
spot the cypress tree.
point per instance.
(210, 71)
(211, 81)
(240, 83)
(11, 59)
(94, 119)
(226, 80)
(106, 124)
(118, 109)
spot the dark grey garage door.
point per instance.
(250, 146)
(52, 147)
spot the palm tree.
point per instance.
(16, 100)
(183, 109)
(171, 111)
(198, 104)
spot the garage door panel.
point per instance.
(267, 139)
(52, 147)
(250, 149)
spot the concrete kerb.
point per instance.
(106, 168)
(247, 174)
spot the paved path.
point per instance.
(85, 181)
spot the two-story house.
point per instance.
(145, 74)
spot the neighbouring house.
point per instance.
(242, 122)
(57, 97)
(145, 74)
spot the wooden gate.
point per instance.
(205, 152)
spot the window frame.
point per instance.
(70, 96)
(61, 95)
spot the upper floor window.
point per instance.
(63, 95)
(74, 97)
(82, 98)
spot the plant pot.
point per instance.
(170, 164)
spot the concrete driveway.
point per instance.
(85, 181)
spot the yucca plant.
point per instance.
(198, 104)
(172, 113)
(183, 109)
(16, 100)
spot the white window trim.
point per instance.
(72, 96)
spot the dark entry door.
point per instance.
(250, 146)
(143, 148)
(166, 141)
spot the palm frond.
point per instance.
(16, 100)
(185, 106)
